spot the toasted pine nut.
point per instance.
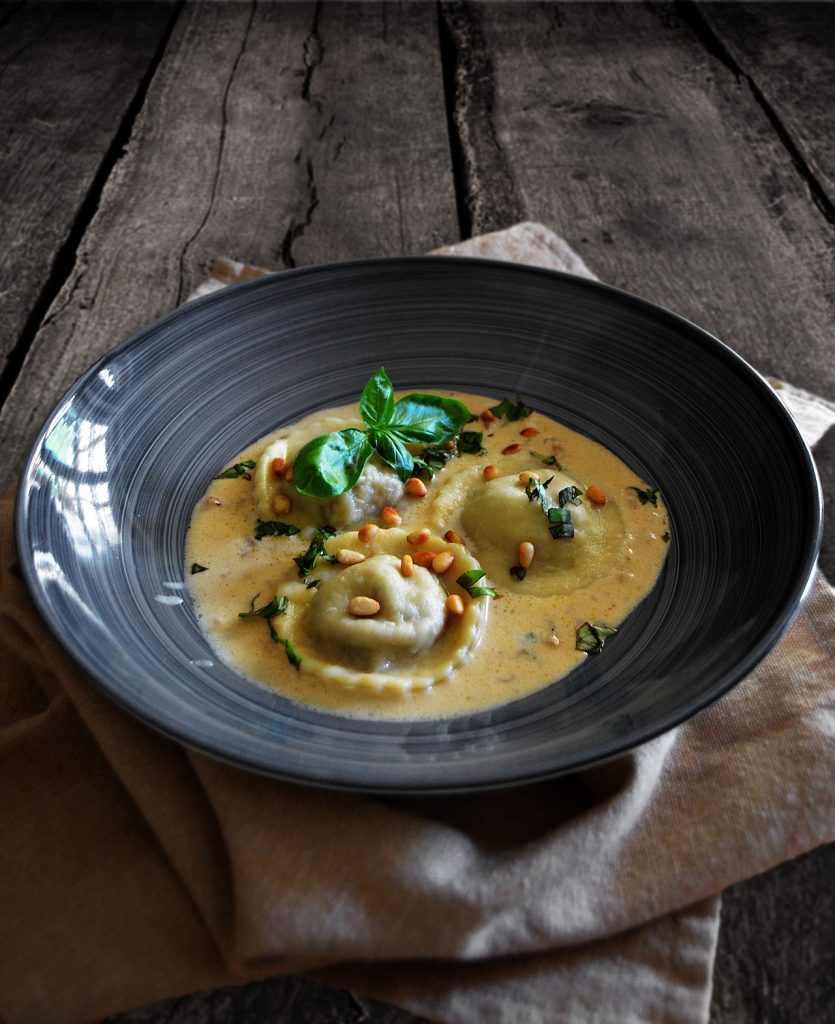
(367, 532)
(415, 487)
(407, 566)
(488, 416)
(419, 536)
(450, 446)
(512, 449)
(279, 465)
(390, 516)
(491, 472)
(281, 504)
(594, 494)
(455, 604)
(529, 432)
(527, 475)
(453, 537)
(442, 562)
(525, 554)
(424, 558)
(363, 606)
(212, 500)
(345, 556)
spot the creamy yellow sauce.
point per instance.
(527, 637)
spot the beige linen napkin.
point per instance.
(132, 869)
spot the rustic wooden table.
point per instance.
(686, 150)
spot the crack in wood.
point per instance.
(690, 14)
(297, 227)
(487, 194)
(312, 55)
(224, 121)
(67, 257)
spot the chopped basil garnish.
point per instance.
(312, 584)
(511, 410)
(277, 606)
(197, 567)
(332, 464)
(549, 460)
(239, 469)
(274, 528)
(289, 650)
(468, 581)
(591, 638)
(316, 550)
(559, 522)
(648, 496)
(665, 537)
(559, 519)
(469, 442)
(518, 572)
(569, 496)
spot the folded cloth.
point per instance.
(132, 869)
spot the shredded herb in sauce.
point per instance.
(316, 550)
(240, 469)
(274, 528)
(511, 410)
(468, 581)
(197, 567)
(590, 639)
(648, 496)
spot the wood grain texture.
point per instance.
(68, 74)
(659, 165)
(285, 1000)
(789, 913)
(277, 131)
(786, 51)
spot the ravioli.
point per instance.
(412, 642)
(439, 641)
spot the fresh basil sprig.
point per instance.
(332, 464)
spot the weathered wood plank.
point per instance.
(69, 74)
(284, 1000)
(657, 163)
(279, 133)
(787, 52)
(789, 913)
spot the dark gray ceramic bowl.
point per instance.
(108, 490)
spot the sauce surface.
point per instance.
(529, 631)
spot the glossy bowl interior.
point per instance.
(107, 494)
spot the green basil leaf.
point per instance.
(274, 528)
(649, 496)
(591, 638)
(277, 606)
(549, 460)
(431, 418)
(331, 464)
(511, 410)
(469, 442)
(315, 551)
(239, 469)
(289, 649)
(517, 572)
(468, 581)
(377, 400)
(197, 567)
(393, 452)
(569, 496)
